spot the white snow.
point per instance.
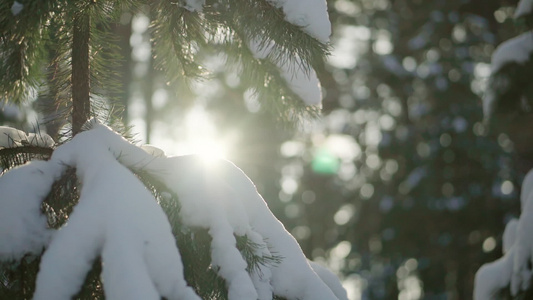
(524, 8)
(40, 139)
(492, 277)
(16, 8)
(153, 150)
(118, 219)
(11, 137)
(509, 235)
(292, 278)
(311, 15)
(194, 5)
(303, 83)
(262, 277)
(517, 49)
(243, 210)
(237, 204)
(330, 279)
(524, 241)
(512, 269)
(23, 228)
(526, 192)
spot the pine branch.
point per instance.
(177, 35)
(16, 156)
(259, 21)
(231, 26)
(22, 42)
(270, 88)
(246, 22)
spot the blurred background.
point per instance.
(398, 187)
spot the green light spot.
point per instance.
(324, 162)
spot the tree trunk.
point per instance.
(81, 105)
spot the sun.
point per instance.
(198, 135)
(202, 136)
(209, 150)
(194, 134)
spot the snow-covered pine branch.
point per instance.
(312, 17)
(510, 71)
(300, 78)
(287, 40)
(223, 203)
(512, 270)
(524, 8)
(511, 57)
(494, 277)
(509, 95)
(11, 137)
(23, 228)
(119, 220)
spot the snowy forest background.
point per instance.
(398, 187)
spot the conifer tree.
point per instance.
(64, 50)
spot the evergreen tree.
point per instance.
(65, 52)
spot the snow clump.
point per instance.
(118, 219)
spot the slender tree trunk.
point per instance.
(81, 105)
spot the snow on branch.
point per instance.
(300, 78)
(524, 242)
(524, 8)
(517, 49)
(495, 276)
(119, 220)
(311, 15)
(225, 200)
(194, 5)
(514, 268)
(23, 228)
(514, 52)
(11, 137)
